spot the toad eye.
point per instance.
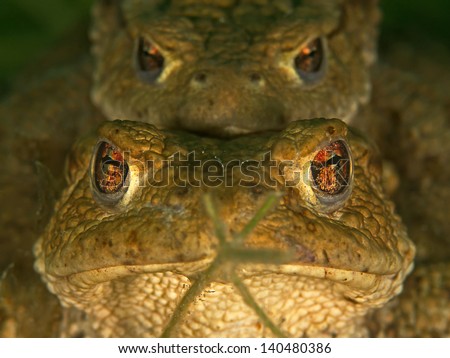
(310, 61)
(332, 173)
(150, 61)
(109, 174)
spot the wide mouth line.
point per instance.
(353, 279)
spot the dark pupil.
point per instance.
(150, 59)
(310, 58)
(110, 169)
(330, 168)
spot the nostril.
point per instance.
(200, 77)
(255, 77)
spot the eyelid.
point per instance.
(104, 198)
(150, 76)
(333, 201)
(312, 78)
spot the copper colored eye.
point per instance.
(331, 169)
(110, 169)
(149, 59)
(310, 60)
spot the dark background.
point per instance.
(28, 28)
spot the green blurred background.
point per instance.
(30, 27)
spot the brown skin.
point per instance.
(408, 119)
(230, 69)
(108, 259)
(40, 122)
(38, 125)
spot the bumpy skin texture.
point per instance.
(407, 118)
(40, 122)
(420, 117)
(127, 265)
(229, 65)
(38, 125)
